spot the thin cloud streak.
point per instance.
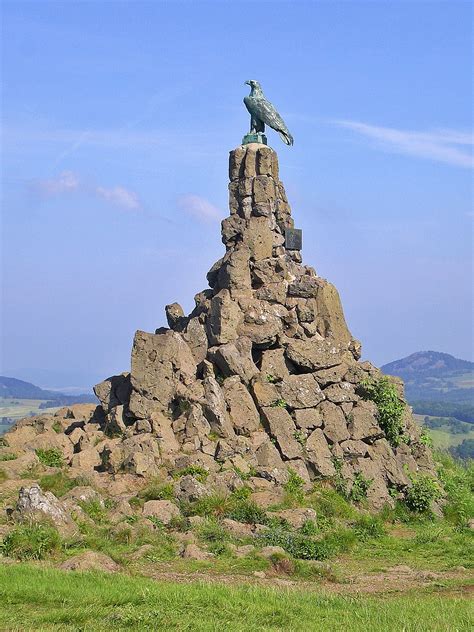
(66, 182)
(69, 182)
(106, 138)
(200, 208)
(119, 196)
(442, 145)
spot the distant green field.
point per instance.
(443, 438)
(17, 408)
(466, 380)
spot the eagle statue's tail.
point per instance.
(286, 137)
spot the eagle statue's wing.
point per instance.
(266, 112)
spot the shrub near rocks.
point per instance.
(94, 509)
(7, 456)
(31, 542)
(389, 405)
(60, 483)
(245, 510)
(52, 457)
(423, 491)
(294, 487)
(157, 490)
(214, 505)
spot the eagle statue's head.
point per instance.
(253, 84)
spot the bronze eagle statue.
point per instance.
(263, 112)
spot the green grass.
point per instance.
(31, 542)
(8, 456)
(429, 545)
(18, 408)
(60, 483)
(36, 598)
(443, 438)
(52, 457)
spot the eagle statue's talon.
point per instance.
(263, 112)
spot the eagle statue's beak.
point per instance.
(247, 83)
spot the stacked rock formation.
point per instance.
(263, 376)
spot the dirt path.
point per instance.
(398, 579)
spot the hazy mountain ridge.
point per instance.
(437, 384)
(12, 388)
(428, 364)
(434, 376)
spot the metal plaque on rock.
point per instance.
(293, 239)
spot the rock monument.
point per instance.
(263, 377)
(262, 380)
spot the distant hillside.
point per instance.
(11, 388)
(428, 364)
(437, 383)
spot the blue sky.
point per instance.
(117, 122)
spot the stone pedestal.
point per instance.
(265, 362)
(258, 137)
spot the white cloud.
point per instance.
(66, 182)
(119, 196)
(444, 145)
(200, 208)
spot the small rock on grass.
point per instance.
(268, 551)
(164, 510)
(90, 561)
(244, 550)
(193, 552)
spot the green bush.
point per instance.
(159, 524)
(300, 436)
(57, 427)
(245, 476)
(331, 504)
(423, 491)
(95, 509)
(390, 407)
(359, 487)
(425, 438)
(199, 473)
(214, 505)
(242, 493)
(212, 531)
(31, 542)
(309, 528)
(52, 457)
(271, 378)
(369, 527)
(59, 483)
(247, 511)
(8, 456)
(306, 548)
(178, 523)
(458, 481)
(339, 483)
(294, 486)
(157, 490)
